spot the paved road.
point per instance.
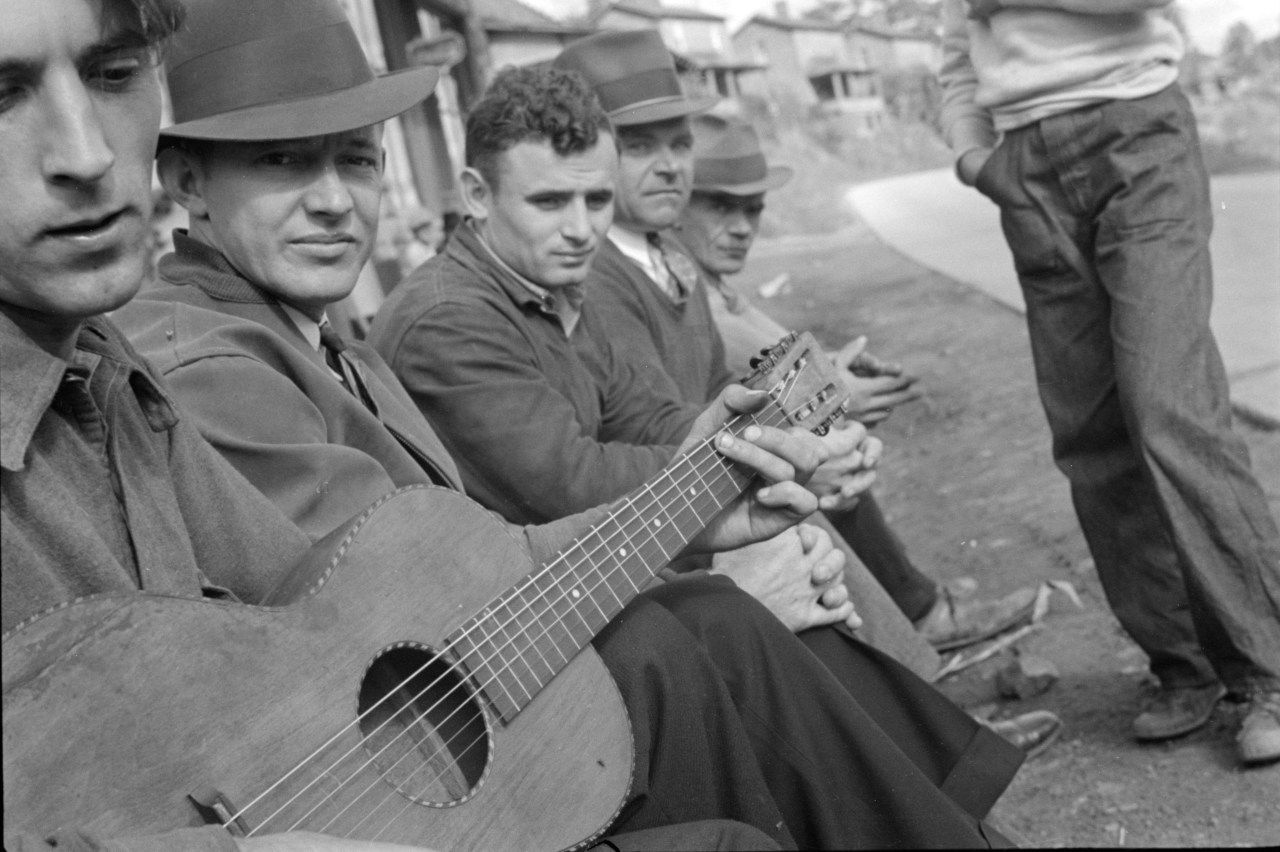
(934, 220)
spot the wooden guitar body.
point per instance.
(116, 708)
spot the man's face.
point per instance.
(548, 213)
(297, 217)
(719, 229)
(655, 172)
(79, 114)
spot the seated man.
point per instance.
(279, 229)
(730, 179)
(106, 487)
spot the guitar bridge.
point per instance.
(216, 809)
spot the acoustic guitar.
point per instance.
(383, 692)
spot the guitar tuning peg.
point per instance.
(756, 361)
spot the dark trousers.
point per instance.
(818, 742)
(880, 549)
(1106, 210)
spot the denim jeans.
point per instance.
(1106, 210)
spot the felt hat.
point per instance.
(727, 157)
(633, 76)
(278, 69)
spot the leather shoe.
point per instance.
(1259, 737)
(1032, 732)
(954, 623)
(1176, 712)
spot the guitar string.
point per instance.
(448, 745)
(603, 581)
(714, 457)
(669, 484)
(497, 652)
(720, 472)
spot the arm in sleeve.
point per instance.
(1089, 7)
(211, 839)
(965, 125)
(517, 439)
(274, 435)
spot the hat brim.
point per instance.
(333, 112)
(665, 110)
(775, 178)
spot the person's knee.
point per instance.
(713, 608)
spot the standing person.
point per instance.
(1067, 114)
(280, 226)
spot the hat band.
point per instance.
(728, 171)
(282, 67)
(640, 88)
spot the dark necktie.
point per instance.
(334, 349)
(683, 274)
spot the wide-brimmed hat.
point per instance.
(727, 157)
(278, 69)
(633, 76)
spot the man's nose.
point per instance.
(328, 194)
(76, 150)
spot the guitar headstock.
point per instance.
(802, 380)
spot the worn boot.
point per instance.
(1259, 737)
(957, 623)
(1175, 712)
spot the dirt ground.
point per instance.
(968, 483)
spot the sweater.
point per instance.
(1032, 59)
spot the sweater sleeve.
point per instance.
(965, 125)
(1090, 7)
(317, 482)
(210, 839)
(516, 438)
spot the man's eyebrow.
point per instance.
(118, 42)
(19, 68)
(558, 194)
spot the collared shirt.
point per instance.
(561, 309)
(306, 326)
(106, 489)
(310, 329)
(637, 247)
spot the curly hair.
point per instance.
(154, 20)
(534, 103)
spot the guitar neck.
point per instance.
(523, 638)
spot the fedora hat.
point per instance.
(727, 157)
(633, 76)
(278, 69)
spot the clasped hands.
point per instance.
(798, 575)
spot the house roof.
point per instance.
(514, 16)
(792, 24)
(654, 12)
(719, 62)
(886, 32)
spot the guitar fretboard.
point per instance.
(517, 644)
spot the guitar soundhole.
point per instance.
(428, 736)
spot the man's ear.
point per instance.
(477, 195)
(182, 176)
